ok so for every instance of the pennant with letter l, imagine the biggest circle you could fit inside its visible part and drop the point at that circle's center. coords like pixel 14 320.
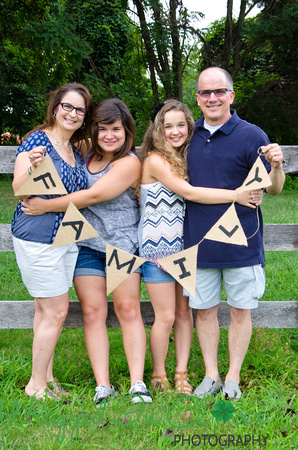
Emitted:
pixel 120 265
pixel 228 229
pixel 73 228
pixel 257 178
pixel 183 267
pixel 43 181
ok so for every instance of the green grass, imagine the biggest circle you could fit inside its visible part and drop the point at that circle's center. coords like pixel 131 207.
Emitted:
pixel 269 381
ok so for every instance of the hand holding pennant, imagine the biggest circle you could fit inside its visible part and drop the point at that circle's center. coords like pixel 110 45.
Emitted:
pixel 120 265
pixel 257 178
pixel 43 181
pixel 183 267
pixel 73 228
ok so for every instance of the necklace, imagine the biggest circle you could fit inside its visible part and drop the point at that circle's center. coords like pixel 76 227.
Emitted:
pixel 58 145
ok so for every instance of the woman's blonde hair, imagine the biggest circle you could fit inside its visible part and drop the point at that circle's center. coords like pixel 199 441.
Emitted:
pixel 155 142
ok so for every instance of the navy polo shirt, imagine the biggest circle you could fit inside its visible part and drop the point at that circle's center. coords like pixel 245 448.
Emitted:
pixel 223 160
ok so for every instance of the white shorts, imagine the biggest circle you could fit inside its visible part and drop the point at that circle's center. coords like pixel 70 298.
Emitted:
pixel 244 286
pixel 46 272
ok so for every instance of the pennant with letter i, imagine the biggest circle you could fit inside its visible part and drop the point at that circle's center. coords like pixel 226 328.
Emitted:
pixel 73 228
pixel 257 178
pixel 183 267
pixel 43 181
pixel 120 265
pixel 228 229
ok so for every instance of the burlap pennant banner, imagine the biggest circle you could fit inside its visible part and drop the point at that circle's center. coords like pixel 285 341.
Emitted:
pixel 119 266
pixel 228 229
pixel 183 267
pixel 73 228
pixel 257 178
pixel 43 181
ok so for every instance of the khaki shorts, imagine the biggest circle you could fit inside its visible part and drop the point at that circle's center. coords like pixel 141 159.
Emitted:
pixel 244 286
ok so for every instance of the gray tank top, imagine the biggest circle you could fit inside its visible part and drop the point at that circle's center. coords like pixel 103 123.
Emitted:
pixel 116 221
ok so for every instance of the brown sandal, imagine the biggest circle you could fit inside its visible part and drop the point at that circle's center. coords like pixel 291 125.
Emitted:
pixel 45 393
pixel 182 383
pixel 56 388
pixel 160 382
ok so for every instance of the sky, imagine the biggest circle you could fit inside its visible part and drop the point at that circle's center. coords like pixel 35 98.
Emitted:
pixel 214 9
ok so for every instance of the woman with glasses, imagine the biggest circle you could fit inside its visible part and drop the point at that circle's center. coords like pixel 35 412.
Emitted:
pixel 48 273
pixel 110 205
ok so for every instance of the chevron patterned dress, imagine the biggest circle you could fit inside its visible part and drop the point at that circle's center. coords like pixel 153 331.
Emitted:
pixel 161 224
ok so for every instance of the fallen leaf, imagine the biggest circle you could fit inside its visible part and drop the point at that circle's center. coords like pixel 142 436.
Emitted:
pixel 186 415
pixel 103 424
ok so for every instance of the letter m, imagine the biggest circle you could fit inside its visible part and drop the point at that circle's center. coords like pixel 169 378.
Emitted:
pixel 129 263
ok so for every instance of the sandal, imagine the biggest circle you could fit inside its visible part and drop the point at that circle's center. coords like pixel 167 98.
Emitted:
pixel 160 382
pixel 182 383
pixel 45 393
pixel 56 388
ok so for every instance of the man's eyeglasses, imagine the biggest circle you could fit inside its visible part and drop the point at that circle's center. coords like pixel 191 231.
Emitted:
pixel 205 93
pixel 68 107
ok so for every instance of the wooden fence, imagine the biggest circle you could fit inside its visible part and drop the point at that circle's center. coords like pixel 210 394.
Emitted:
pixel 277 237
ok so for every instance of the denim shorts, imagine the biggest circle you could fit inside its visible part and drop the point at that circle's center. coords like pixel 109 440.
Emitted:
pixel 92 262
pixel 153 274
pixel 244 286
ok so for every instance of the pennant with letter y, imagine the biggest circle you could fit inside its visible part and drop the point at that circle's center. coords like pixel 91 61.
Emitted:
pixel 183 267
pixel 228 229
pixel 43 181
pixel 120 265
pixel 73 228
pixel 257 177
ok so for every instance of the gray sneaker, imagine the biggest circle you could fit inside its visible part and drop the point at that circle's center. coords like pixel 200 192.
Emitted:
pixel 231 390
pixel 208 387
pixel 139 393
pixel 103 395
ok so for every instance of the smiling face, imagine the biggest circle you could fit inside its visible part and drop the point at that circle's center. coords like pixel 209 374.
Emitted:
pixel 69 121
pixel 175 128
pixel 111 137
pixel 216 110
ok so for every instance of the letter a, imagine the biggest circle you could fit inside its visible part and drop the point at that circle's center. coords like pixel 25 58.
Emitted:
pixel 74 228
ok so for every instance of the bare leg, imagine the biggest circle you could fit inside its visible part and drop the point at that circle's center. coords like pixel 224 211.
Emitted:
pixel 208 334
pixel 54 311
pixel 91 291
pixel 239 335
pixel 36 322
pixel 126 300
pixel 162 297
pixel 183 329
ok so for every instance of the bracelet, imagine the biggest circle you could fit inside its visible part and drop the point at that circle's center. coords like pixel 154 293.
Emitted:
pixel 29 171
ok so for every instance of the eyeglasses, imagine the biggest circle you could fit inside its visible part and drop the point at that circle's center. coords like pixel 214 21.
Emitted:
pixel 68 107
pixel 205 93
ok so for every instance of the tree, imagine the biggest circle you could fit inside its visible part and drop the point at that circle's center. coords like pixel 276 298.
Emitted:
pixel 165 30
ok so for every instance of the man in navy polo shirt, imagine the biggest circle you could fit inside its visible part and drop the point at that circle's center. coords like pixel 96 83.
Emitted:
pixel 222 152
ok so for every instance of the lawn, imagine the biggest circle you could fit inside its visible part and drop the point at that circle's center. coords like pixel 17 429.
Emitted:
pixel 265 416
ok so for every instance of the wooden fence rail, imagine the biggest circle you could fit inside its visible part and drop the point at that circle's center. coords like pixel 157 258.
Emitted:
pixel 18 314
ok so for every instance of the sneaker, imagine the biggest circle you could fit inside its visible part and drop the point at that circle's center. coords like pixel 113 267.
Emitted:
pixel 232 390
pixel 208 387
pixel 139 393
pixel 103 395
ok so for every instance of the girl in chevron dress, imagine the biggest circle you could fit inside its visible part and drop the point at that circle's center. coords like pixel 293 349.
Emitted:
pixel 163 189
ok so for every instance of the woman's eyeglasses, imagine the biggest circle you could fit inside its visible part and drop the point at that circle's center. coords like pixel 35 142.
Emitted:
pixel 68 107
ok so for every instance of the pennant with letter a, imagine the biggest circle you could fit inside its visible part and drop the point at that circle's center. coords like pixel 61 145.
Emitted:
pixel 120 265
pixel 257 178
pixel 73 228
pixel 228 229
pixel 43 181
pixel 183 267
